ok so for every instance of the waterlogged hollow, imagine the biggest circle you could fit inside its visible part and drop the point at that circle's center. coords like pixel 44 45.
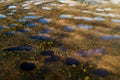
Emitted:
pixel 67 16
pixel 45 20
pixel 84 26
pixel 2 16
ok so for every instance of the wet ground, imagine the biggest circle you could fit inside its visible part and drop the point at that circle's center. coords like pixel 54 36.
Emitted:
pixel 59 40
